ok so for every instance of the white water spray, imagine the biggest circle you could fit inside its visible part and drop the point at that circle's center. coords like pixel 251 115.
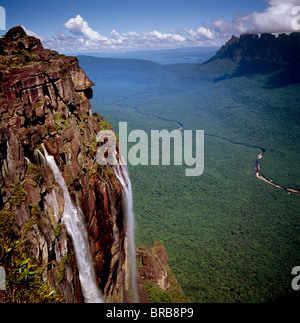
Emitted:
pixel 73 219
pixel 122 174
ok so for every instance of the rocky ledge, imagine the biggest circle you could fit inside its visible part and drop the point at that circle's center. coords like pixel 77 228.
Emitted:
pixel 156 276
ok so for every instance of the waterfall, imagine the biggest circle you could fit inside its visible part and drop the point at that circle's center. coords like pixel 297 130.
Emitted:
pixel 74 221
pixel 122 174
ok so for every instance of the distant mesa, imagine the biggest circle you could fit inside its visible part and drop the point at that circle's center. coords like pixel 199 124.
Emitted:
pixel 281 50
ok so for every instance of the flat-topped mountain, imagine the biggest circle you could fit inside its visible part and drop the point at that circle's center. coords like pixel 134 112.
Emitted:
pixel 281 50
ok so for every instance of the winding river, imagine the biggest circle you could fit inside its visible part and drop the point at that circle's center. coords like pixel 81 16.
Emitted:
pixel 257 172
pixel 151 115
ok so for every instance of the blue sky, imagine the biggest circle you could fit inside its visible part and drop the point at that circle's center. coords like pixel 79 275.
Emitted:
pixel 141 24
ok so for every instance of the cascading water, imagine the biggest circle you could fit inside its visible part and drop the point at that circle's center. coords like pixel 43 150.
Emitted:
pixel 73 219
pixel 122 174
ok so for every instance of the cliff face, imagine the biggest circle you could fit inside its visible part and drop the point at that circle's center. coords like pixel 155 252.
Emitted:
pixel 281 50
pixel 156 276
pixel 44 99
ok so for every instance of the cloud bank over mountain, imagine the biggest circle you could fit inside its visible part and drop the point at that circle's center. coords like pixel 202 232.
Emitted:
pixel 277 18
pixel 79 36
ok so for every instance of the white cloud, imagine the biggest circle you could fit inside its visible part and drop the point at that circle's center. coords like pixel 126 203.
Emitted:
pixel 79 27
pixel 205 32
pixel 84 38
pixel 178 38
pixel 277 18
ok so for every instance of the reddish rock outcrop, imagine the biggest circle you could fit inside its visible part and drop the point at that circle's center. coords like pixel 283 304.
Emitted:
pixel 154 265
pixel 156 281
pixel 44 99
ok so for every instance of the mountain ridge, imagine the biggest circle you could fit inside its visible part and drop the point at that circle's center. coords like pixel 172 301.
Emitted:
pixel 281 50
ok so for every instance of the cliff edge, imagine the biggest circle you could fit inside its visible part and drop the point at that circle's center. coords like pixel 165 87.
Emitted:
pixel 44 101
pixel 282 50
